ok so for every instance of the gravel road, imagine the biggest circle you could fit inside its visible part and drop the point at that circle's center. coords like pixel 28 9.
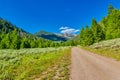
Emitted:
pixel 88 66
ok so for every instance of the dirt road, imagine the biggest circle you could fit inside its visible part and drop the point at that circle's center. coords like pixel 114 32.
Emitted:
pixel 88 66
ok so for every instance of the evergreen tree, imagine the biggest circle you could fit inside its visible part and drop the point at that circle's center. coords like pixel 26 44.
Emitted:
pixel 113 25
pixel 81 36
pixel 99 34
pixel 110 9
pixel 7 40
pixel 91 35
pixel 97 31
pixel 25 43
pixel 15 40
pixel 89 38
pixel 2 44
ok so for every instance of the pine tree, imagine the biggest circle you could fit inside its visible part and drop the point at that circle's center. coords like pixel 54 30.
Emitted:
pixel 110 9
pixel 81 36
pixel 2 44
pixel 98 33
pixel 7 41
pixel 15 40
pixel 113 25
pixel 89 38
pixel 25 43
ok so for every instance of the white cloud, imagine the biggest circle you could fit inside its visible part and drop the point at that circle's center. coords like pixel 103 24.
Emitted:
pixel 68 30
pixel 76 30
pixel 63 28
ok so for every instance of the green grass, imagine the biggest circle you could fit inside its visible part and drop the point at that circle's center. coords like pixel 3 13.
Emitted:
pixel 60 71
pixel 115 54
pixel 27 64
pixel 110 44
pixel 108 48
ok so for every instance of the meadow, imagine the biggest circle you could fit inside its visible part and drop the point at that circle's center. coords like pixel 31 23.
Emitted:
pixel 36 63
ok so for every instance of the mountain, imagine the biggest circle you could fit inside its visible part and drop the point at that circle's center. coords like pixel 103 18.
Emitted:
pixel 50 36
pixel 12 37
pixel 68 36
pixel 7 27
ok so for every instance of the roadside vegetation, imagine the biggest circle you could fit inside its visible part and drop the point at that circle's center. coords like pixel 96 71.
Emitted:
pixel 103 37
pixel 29 64
pixel 108 48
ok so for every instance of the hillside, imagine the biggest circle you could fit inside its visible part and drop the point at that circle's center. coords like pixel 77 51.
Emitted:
pixel 8 27
pixel 109 48
pixel 50 36
pixel 110 44
pixel 68 36
pixel 12 37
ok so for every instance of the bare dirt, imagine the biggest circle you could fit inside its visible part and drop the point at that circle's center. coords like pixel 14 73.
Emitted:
pixel 89 66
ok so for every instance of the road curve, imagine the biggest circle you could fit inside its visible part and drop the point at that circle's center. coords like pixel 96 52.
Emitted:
pixel 88 66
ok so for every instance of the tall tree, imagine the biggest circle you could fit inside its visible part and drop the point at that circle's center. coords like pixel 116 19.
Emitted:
pixel 7 40
pixel 110 9
pixel 25 43
pixel 113 25
pixel 81 36
pixel 15 40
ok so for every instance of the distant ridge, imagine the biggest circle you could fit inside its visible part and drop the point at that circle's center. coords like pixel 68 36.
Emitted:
pixel 50 36
pixel 8 27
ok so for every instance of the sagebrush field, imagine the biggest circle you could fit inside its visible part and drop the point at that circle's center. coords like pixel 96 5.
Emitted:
pixel 32 63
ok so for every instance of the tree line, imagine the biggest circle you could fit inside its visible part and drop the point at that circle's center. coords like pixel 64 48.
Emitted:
pixel 12 40
pixel 12 37
pixel 107 28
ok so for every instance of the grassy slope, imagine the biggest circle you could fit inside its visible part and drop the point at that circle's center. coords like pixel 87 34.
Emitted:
pixel 108 48
pixel 29 64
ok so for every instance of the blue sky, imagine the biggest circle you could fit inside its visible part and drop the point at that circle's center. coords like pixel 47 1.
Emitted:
pixel 51 15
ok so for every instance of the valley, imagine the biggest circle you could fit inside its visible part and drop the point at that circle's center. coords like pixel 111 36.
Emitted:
pixel 51 42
